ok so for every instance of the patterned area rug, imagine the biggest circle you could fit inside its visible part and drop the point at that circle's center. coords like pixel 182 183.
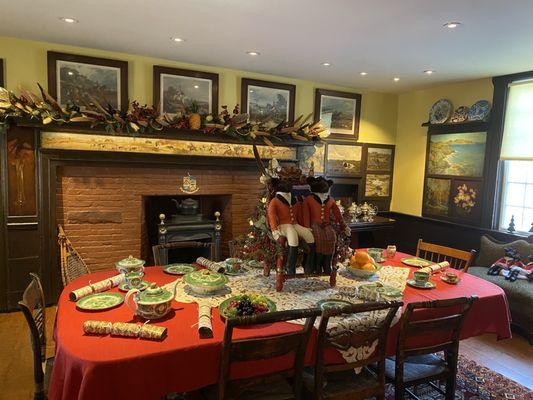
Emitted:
pixel 474 382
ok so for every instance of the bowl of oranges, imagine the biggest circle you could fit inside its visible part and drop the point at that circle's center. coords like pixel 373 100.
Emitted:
pixel 362 265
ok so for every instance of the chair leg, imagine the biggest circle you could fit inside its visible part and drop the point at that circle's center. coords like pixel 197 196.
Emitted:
pixel 450 388
pixel 399 390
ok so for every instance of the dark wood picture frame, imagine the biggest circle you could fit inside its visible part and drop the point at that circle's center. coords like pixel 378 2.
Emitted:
pixel 160 69
pixel 379 146
pixel 1 72
pixel 365 178
pixel 346 95
pixel 54 57
pixel 332 173
pixel 246 82
pixel 457 128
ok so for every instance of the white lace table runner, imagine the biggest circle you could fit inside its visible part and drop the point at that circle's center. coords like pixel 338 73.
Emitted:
pixel 306 293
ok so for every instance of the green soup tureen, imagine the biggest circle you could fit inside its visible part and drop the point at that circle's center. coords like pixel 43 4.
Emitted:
pixel 130 264
pixel 204 281
pixel 153 303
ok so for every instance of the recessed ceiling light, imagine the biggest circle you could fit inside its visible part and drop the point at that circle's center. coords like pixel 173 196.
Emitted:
pixel 396 79
pixel 326 64
pixel 177 39
pixel 68 20
pixel 253 53
pixel 70 73
pixel 429 72
pixel 452 25
pixel 363 73
pixel 196 86
pixel 251 91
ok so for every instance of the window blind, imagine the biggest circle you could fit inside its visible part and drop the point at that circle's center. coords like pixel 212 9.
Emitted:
pixel 518 127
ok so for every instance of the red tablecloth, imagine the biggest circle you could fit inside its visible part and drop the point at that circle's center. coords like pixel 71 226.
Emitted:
pixel 92 367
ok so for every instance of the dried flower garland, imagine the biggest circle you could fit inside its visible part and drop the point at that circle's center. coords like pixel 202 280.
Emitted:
pixel 145 119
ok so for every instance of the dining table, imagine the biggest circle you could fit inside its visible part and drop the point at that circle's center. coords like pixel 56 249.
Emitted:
pixel 88 367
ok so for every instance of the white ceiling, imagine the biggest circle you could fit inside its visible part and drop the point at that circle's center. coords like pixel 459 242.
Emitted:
pixel 385 38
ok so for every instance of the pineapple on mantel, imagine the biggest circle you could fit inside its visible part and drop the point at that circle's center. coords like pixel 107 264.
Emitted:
pixel 195 120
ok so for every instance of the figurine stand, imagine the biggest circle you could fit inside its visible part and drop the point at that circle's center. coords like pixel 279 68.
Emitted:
pixel 281 276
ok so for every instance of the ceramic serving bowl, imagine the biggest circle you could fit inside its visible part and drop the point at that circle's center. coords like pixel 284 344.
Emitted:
pixel 130 264
pixel 154 303
pixel 204 281
pixel 363 273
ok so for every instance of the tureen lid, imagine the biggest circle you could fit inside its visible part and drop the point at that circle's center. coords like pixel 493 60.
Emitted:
pixel 154 295
pixel 205 277
pixel 130 262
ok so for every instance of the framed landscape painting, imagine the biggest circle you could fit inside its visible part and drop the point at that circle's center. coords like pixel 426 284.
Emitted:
pixel 77 80
pixel 457 154
pixel 339 112
pixel 436 197
pixel 267 103
pixel 176 90
pixel 379 158
pixel 377 185
pixel 343 159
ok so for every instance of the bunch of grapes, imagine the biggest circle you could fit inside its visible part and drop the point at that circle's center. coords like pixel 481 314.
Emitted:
pixel 245 307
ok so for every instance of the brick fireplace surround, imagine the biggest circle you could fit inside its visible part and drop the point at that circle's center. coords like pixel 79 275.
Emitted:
pixel 102 206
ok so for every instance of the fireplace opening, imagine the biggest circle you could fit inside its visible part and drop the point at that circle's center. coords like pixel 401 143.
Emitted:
pixel 186 218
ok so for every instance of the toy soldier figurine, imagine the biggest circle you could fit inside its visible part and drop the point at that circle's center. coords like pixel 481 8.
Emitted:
pixel 317 210
pixel 284 217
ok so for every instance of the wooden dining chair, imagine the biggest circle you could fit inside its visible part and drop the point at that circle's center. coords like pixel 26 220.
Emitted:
pixel 458 259
pixel 415 365
pixel 72 265
pixel 34 309
pixel 262 348
pixel 339 381
pixel 160 251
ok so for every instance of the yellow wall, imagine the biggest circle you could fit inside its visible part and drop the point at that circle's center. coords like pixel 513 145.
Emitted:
pixel 410 156
pixel 25 64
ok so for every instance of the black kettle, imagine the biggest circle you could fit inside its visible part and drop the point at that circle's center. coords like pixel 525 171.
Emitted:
pixel 186 207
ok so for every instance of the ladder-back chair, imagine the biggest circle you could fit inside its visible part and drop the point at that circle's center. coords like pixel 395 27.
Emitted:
pixel 458 259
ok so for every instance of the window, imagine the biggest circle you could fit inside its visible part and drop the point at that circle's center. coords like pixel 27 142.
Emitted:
pixel 517 156
pixel 517 195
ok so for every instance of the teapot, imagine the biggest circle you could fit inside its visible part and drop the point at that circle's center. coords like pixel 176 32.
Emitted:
pixel 153 303
pixel 186 207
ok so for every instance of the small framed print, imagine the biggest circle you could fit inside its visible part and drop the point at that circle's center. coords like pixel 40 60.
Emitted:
pixel 436 200
pixel 340 112
pixel 76 80
pixel 377 185
pixel 379 157
pixel 343 159
pixel 175 90
pixel 466 199
pixel 267 103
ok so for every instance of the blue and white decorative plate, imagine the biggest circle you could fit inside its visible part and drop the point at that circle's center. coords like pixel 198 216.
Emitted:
pixel 479 111
pixel 440 111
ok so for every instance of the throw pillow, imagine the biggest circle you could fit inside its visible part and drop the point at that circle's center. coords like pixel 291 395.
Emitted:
pixel 490 250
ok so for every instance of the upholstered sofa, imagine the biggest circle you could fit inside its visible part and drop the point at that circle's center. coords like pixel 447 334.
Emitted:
pixel 519 293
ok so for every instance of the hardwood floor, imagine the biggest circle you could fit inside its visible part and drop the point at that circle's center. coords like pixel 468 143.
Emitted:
pixel 512 358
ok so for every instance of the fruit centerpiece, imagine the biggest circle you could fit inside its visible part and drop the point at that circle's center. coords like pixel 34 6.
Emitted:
pixel 246 305
pixel 362 265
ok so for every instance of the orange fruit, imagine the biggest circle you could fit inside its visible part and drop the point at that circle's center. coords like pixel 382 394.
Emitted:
pixel 362 258
pixel 368 267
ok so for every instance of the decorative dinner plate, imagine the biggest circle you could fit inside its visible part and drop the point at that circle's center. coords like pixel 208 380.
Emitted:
pixel 479 111
pixel 375 290
pixel 240 271
pixel 416 262
pixel 425 285
pixel 460 114
pixel 99 301
pixel 440 111
pixel 179 269
pixel 223 307
pixel 124 287
pixel 445 279
pixel 333 303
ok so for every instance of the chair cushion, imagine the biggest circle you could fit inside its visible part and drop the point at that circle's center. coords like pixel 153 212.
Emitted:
pixel 416 367
pixel 491 250
pixel 342 382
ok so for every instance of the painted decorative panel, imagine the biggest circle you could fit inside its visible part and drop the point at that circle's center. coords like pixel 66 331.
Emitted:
pixel 22 200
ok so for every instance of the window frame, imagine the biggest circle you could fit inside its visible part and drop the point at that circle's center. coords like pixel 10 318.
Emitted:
pixel 503 187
